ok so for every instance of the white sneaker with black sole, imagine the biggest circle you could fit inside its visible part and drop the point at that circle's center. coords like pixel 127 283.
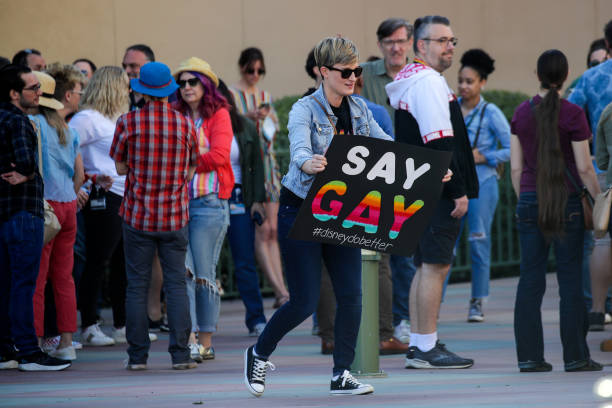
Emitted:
pixel 40 361
pixel 255 372
pixel 346 384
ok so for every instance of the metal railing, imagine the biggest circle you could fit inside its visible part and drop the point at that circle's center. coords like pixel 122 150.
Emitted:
pixel 505 251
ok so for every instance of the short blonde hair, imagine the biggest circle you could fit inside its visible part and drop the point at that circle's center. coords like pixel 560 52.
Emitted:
pixel 335 50
pixel 66 77
pixel 108 92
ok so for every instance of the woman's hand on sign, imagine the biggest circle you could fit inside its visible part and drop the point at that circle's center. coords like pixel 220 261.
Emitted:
pixel 315 165
pixel 447 177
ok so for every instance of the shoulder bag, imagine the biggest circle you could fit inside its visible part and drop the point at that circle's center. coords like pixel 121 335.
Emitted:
pixel 601 213
pixel 52 225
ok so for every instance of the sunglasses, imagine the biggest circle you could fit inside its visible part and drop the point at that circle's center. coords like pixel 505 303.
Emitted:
pixel 251 71
pixel 193 82
pixel 346 72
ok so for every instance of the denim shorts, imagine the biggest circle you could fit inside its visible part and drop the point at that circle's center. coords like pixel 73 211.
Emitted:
pixel 438 240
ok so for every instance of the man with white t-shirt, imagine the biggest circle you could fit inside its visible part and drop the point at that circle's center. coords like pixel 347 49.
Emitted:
pixel 429 115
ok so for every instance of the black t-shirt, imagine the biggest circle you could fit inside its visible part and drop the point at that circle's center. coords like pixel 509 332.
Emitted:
pixel 343 113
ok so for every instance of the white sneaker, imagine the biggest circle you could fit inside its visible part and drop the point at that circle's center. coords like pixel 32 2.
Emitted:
pixel 94 336
pixel 77 345
pixel 607 318
pixel 119 336
pixel 402 331
pixel 64 353
pixel 50 344
pixel 195 352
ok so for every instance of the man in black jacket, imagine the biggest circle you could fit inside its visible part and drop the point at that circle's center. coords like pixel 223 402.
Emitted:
pixel 429 115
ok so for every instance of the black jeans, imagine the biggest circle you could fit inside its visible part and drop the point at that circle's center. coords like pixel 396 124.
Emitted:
pixel 102 238
pixel 302 261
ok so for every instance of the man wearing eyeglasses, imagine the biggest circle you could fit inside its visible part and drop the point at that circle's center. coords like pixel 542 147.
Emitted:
pixel 394 42
pixel 429 115
pixel 135 57
pixel 21 223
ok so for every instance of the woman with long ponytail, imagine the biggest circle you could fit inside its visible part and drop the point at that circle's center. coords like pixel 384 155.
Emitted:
pixel 550 161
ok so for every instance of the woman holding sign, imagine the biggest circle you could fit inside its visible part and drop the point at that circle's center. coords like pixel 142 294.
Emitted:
pixel 313 122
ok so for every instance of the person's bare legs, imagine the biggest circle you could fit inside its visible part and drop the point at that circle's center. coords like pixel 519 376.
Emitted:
pixel 267 251
pixel 65 340
pixel 154 302
pixel 426 290
pixel 600 265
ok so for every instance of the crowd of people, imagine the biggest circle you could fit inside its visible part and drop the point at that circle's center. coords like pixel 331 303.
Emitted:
pixel 147 170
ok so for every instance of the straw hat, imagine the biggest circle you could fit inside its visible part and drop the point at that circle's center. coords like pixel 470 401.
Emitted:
pixel 196 64
pixel 47 86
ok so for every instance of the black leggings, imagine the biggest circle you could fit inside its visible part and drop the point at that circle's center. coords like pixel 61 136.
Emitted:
pixel 103 238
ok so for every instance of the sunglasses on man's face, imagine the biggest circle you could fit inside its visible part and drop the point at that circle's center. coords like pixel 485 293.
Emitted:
pixel 346 72
pixel 260 71
pixel 193 82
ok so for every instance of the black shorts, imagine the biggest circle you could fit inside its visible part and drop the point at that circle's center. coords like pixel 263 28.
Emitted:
pixel 438 241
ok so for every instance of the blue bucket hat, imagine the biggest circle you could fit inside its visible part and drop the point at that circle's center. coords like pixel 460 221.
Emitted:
pixel 155 80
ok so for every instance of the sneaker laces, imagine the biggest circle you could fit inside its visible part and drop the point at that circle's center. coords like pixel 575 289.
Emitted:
pixel 348 378
pixel 259 369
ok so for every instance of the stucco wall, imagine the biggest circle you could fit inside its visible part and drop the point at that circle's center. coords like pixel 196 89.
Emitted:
pixel 515 32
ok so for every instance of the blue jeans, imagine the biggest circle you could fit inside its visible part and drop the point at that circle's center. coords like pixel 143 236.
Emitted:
pixel 208 221
pixel 139 248
pixel 532 284
pixel 480 215
pixel 302 260
pixel 402 273
pixel 241 237
pixel 21 242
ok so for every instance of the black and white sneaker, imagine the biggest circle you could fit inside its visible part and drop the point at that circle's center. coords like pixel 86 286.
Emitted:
pixel 437 357
pixel 40 361
pixel 346 384
pixel 255 372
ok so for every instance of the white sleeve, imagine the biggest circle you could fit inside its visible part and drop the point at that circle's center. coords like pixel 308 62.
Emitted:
pixel 428 100
pixel 83 124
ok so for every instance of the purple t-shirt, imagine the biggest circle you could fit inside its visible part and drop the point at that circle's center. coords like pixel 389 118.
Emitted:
pixel 573 127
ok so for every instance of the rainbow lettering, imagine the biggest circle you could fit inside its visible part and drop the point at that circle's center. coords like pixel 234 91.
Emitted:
pixel 335 206
pixel 401 214
pixel 371 202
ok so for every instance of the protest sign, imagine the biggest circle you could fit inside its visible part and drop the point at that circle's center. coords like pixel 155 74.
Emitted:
pixel 374 194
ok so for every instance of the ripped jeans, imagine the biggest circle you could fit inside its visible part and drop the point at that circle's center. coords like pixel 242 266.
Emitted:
pixel 480 215
pixel 208 221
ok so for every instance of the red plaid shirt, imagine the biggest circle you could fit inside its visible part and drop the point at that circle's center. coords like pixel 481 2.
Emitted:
pixel 158 144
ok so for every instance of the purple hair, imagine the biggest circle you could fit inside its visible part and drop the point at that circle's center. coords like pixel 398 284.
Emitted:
pixel 211 101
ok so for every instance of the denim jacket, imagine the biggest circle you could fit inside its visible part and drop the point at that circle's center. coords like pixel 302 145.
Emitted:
pixel 494 130
pixel 310 132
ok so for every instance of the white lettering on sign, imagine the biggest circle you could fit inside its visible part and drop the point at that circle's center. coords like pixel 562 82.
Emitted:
pixel 353 157
pixel 385 168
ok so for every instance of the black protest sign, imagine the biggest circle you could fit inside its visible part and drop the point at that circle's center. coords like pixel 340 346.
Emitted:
pixel 374 194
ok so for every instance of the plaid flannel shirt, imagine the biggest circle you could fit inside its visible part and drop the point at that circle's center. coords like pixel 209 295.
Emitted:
pixel 158 144
pixel 19 146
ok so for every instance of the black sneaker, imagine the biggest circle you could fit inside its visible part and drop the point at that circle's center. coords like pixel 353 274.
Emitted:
pixel 158 326
pixel 8 360
pixel 596 321
pixel 534 366
pixel 40 361
pixel 588 365
pixel 346 384
pixel 437 357
pixel 255 372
